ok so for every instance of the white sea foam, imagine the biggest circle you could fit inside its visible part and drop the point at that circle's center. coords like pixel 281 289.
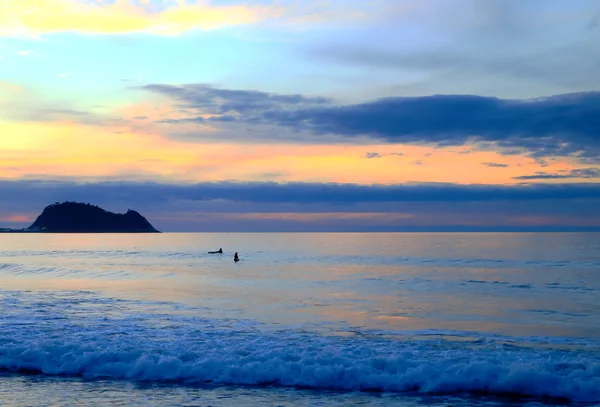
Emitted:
pixel 85 335
pixel 314 363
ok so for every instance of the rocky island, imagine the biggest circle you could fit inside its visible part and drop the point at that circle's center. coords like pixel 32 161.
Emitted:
pixel 74 217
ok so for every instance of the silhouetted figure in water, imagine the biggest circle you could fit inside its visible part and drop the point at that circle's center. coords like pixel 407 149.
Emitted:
pixel 220 251
pixel 235 257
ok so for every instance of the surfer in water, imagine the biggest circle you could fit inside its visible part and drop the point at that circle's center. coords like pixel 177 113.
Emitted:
pixel 220 251
pixel 235 257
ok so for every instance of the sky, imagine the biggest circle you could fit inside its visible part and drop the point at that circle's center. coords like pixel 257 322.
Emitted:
pixel 316 115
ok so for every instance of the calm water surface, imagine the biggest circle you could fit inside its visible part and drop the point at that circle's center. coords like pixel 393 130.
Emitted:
pixel 303 319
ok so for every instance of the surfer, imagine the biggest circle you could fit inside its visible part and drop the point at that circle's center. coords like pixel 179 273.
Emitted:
pixel 220 251
pixel 235 257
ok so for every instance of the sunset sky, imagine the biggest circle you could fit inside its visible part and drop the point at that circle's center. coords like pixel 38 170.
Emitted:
pixel 316 115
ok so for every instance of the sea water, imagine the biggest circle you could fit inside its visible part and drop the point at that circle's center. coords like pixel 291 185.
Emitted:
pixel 303 319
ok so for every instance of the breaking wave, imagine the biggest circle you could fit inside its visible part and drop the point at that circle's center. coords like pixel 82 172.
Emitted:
pixel 85 335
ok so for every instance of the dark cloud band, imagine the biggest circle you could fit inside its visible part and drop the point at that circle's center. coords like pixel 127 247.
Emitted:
pixel 562 125
pixel 302 193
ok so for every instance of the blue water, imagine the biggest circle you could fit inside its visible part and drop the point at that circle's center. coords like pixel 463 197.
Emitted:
pixel 303 319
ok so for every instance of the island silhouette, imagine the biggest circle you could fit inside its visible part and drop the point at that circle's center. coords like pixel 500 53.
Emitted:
pixel 74 217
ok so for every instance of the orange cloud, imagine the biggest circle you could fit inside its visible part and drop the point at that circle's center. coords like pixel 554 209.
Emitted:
pixel 320 217
pixel 17 218
pixel 36 17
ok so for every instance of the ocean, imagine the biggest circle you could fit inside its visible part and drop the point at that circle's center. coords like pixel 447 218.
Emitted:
pixel 304 319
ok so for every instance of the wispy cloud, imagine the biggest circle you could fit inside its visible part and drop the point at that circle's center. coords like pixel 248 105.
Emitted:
pixel 584 173
pixel 495 165
pixel 22 104
pixel 33 18
pixel 232 104
pixel 372 155
pixel 38 17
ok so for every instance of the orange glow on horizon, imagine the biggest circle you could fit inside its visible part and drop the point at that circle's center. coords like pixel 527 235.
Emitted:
pixel 17 219
pixel 67 149
pixel 410 218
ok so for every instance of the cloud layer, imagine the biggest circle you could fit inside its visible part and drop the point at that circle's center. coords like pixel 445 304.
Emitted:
pixel 508 48
pixel 256 206
pixel 297 192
